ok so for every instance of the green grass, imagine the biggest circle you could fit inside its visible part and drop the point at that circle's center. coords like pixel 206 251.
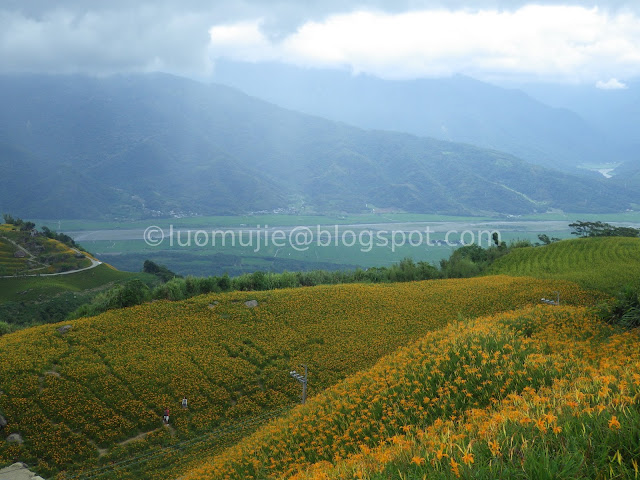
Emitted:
pixel 605 264
pixel 29 301
pixel 22 289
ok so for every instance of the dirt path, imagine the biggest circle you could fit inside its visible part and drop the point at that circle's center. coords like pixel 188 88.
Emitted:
pixel 142 435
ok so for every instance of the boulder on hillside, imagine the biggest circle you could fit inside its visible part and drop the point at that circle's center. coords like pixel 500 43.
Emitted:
pixel 64 329
pixel 251 303
pixel 18 471
pixel 15 438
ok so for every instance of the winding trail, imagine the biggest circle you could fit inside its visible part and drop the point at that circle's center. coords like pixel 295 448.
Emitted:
pixel 94 264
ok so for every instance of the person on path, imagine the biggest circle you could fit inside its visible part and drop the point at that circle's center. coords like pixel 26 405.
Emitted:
pixel 166 416
pixel 184 402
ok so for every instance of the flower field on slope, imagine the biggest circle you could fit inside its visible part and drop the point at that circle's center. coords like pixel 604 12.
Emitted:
pixel 48 255
pixel 602 263
pixel 75 396
pixel 543 392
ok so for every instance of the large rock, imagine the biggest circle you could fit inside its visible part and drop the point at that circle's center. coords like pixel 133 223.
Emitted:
pixel 15 438
pixel 64 329
pixel 18 471
pixel 3 422
pixel 251 303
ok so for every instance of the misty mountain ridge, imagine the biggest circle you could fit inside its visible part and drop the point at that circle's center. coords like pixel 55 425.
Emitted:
pixel 144 145
pixel 457 108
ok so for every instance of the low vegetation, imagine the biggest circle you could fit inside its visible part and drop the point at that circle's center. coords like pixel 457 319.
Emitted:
pixel 564 260
pixel 30 301
pixel 604 263
pixel 543 392
pixel 76 394
pixel 624 310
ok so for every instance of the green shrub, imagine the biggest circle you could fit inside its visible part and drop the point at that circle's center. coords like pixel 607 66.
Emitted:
pixel 624 310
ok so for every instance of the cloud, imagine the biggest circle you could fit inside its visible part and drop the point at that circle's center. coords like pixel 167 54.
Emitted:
pixel 612 84
pixel 554 39
pixel 107 42
pixel 553 42
pixel 241 41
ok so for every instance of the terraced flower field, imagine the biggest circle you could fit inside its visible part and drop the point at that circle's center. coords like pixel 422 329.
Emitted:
pixel 79 396
pixel 541 392
pixel 41 254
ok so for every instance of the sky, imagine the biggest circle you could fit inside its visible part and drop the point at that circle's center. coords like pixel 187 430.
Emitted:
pixel 596 43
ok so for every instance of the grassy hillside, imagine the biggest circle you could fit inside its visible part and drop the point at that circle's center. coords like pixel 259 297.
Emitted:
pixel 32 292
pixel 543 392
pixel 42 288
pixel 27 301
pixel 79 397
pixel 40 254
pixel 606 263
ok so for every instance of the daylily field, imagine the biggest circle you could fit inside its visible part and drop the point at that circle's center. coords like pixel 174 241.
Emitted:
pixel 468 378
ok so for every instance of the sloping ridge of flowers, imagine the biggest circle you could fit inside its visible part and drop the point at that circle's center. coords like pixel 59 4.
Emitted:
pixel 537 391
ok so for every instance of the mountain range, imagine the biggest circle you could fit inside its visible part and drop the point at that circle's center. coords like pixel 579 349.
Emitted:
pixel 553 125
pixel 155 145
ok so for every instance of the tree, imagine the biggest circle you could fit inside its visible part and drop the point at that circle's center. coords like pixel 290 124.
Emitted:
pixel 46 231
pixel 160 271
pixel 544 238
pixel 600 229
pixel 27 226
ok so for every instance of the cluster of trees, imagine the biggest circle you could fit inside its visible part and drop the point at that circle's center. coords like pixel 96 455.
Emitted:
pixel 18 222
pixel 600 229
pixel 473 260
pixel 160 271
pixel 546 240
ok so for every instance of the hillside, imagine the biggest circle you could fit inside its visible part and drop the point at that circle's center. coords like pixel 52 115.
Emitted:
pixel 94 387
pixel 542 392
pixel 28 301
pixel 458 108
pixel 35 183
pixel 157 145
pixel 31 253
pixel 39 282
pixel 614 112
pixel 586 261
